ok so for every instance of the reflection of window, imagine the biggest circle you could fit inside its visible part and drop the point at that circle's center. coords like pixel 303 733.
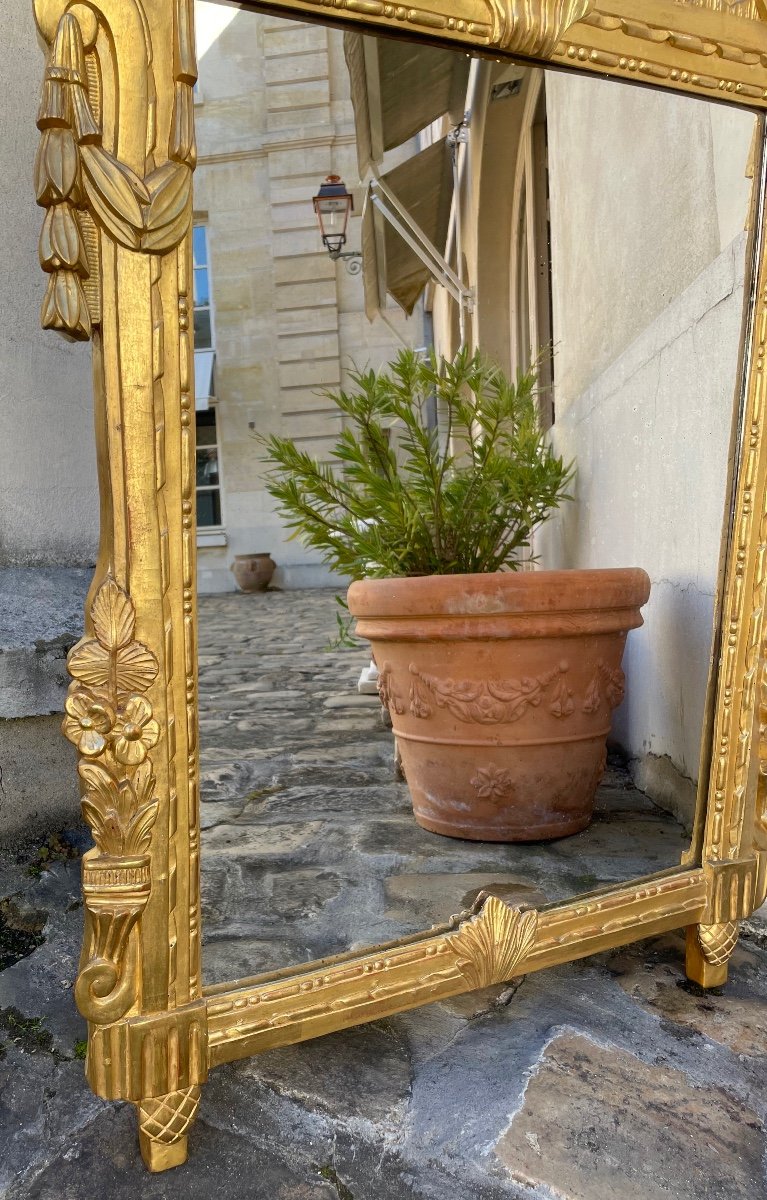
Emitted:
pixel 208 478
pixel 203 323
pixel 531 294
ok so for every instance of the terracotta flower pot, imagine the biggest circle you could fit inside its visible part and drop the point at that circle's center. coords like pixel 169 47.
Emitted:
pixel 501 689
pixel 253 572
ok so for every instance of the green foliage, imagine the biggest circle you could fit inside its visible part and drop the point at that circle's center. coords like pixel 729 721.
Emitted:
pixel 401 498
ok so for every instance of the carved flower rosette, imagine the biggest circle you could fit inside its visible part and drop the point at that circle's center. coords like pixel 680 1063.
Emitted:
pixel 110 721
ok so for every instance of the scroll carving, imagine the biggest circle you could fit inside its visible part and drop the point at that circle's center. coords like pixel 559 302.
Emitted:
pixel 110 721
pixel 78 181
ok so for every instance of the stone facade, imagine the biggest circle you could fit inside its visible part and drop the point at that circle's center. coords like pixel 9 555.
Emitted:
pixel 273 119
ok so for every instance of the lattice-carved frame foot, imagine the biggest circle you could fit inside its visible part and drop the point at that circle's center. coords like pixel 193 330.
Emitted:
pixel 708 952
pixel 164 1122
pixel 114 174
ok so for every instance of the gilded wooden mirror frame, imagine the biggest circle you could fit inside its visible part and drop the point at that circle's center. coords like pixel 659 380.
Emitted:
pixel 114 173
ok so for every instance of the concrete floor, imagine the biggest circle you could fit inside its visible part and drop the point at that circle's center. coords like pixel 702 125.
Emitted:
pixel 608 1077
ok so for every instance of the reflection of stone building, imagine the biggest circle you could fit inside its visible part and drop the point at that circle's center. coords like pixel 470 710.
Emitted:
pixel 276 320
pixel 608 221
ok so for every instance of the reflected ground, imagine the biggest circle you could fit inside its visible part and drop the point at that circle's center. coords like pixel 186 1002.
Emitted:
pixel 309 844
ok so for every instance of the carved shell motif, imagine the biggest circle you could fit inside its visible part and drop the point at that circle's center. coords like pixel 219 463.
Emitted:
pixel 493 944
pixel 533 27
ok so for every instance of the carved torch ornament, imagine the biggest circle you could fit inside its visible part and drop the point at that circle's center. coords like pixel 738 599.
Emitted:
pixel 110 721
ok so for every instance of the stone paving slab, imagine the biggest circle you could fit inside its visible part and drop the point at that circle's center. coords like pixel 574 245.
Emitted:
pixel 602 1078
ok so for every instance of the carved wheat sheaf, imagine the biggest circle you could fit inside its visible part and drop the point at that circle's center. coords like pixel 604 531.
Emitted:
pixel 111 723
pixel 492 945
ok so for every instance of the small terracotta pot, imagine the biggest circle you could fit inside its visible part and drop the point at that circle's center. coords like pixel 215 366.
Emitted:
pixel 501 689
pixel 253 572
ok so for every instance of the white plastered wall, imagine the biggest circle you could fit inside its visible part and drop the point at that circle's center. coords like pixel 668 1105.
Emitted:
pixel 648 204
pixel 48 491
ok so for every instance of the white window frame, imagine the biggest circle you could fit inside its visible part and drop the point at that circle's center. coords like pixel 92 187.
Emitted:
pixel 201 223
pixel 530 300
pixel 212 535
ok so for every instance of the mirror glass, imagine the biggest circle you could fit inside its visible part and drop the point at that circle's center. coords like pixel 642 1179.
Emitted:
pixel 593 228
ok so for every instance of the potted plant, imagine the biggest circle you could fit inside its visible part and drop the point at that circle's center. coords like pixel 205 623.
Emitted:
pixel 500 683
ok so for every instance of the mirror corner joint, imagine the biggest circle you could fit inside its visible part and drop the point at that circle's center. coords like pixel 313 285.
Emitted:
pixel 114 175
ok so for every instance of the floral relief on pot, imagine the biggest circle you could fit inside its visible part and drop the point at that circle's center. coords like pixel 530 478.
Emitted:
pixel 487 701
pixel 493 702
pixel 607 686
pixel 388 694
pixel 493 783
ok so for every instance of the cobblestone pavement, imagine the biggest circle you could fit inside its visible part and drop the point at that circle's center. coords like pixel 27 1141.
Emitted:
pixel 611 1076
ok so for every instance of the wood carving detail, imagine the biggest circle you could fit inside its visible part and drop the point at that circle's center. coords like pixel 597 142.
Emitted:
pixel 111 723
pixel 493 944
pixel 717 942
pixel 166 1119
pixel 534 29
pixel 76 179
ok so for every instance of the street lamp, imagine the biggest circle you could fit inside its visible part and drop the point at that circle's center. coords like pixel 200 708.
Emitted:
pixel 333 204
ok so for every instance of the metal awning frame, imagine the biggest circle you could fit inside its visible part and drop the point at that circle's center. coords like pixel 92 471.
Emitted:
pixel 387 203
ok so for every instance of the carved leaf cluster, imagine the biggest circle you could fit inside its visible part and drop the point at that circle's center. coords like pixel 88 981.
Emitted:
pixel 112 724
pixel 389 695
pixel 121 813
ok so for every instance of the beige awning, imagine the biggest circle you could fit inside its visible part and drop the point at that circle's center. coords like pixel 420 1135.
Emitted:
pixel 398 88
pixel 423 186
